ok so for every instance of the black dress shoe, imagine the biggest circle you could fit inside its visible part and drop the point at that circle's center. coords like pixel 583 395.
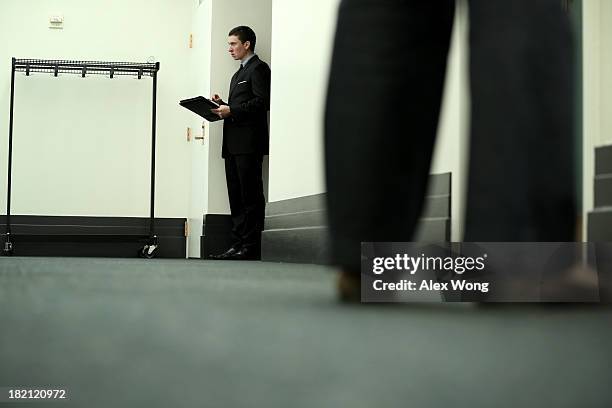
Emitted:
pixel 244 254
pixel 226 254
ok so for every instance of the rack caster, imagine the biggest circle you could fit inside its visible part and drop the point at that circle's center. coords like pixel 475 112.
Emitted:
pixel 8 249
pixel 148 251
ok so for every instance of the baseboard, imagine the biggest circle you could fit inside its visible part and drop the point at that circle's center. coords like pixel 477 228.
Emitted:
pixel 602 191
pixel 80 236
pixel 603 160
pixel 599 227
pixel 296 245
pixel 296 229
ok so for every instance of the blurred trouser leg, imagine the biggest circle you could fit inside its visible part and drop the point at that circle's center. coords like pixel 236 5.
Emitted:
pixel 521 177
pixel 521 169
pixel 384 96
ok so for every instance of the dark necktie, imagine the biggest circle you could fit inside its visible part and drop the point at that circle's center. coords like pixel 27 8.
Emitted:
pixel 235 77
pixel 239 69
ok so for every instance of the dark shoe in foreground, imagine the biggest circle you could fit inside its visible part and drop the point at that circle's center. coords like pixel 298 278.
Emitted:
pixel 349 287
pixel 226 254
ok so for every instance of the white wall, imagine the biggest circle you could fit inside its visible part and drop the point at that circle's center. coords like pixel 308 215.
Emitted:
pixel 591 49
pixel 299 83
pixel 200 80
pixel 597 88
pixel 605 47
pixel 82 146
pixel 452 144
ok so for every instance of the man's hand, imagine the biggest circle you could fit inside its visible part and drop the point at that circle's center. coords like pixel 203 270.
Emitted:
pixel 217 98
pixel 223 111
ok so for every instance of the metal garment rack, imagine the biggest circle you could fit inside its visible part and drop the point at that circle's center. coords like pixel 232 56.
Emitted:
pixel 84 68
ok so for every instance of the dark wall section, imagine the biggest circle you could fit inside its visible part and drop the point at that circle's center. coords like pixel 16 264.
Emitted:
pixel 120 237
pixel 296 231
pixel 600 219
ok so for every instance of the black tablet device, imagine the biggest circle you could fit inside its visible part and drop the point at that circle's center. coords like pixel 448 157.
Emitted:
pixel 202 107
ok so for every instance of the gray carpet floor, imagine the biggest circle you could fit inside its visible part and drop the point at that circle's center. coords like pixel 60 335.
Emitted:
pixel 190 333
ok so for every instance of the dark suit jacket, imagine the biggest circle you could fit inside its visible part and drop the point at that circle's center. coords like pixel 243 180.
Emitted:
pixel 246 131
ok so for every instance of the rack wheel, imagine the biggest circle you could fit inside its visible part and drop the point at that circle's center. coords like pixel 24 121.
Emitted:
pixel 8 249
pixel 148 252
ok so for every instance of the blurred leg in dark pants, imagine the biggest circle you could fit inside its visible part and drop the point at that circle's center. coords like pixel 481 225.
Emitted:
pixel 393 54
pixel 385 88
pixel 521 173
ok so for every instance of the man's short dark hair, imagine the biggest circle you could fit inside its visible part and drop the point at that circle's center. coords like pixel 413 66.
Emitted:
pixel 244 34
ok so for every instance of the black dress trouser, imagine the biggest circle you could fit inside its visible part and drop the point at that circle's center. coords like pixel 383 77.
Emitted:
pixel 243 175
pixel 521 182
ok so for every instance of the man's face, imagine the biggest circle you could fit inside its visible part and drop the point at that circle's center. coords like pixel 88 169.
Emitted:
pixel 238 49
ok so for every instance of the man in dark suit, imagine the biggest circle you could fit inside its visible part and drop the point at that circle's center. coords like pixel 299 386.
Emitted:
pixel 394 54
pixel 245 142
